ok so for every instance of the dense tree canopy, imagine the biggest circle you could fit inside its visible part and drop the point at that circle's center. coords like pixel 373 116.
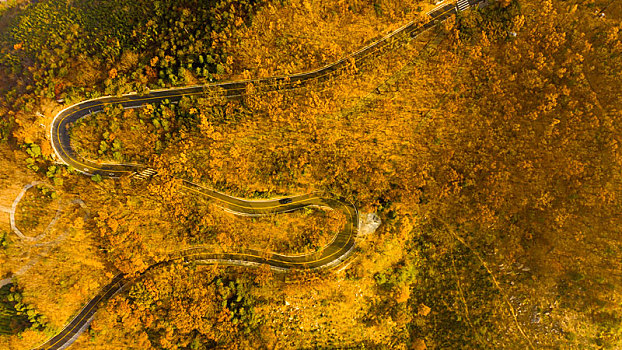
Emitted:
pixel 488 145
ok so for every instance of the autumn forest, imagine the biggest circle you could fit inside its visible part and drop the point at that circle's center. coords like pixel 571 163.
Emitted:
pixel 488 145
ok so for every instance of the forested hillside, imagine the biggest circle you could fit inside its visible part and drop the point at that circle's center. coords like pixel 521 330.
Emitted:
pixel 488 146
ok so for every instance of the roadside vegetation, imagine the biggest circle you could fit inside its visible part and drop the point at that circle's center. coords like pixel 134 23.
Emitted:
pixel 15 316
pixel 489 146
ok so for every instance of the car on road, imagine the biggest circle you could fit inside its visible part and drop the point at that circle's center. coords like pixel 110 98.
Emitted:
pixel 285 200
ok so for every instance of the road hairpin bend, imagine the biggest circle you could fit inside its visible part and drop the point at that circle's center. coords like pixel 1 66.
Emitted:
pixel 338 250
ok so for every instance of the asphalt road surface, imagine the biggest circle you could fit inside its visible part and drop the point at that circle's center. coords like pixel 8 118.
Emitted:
pixel 329 256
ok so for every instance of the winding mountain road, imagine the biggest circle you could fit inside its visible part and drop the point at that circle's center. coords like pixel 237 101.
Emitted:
pixel 338 250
